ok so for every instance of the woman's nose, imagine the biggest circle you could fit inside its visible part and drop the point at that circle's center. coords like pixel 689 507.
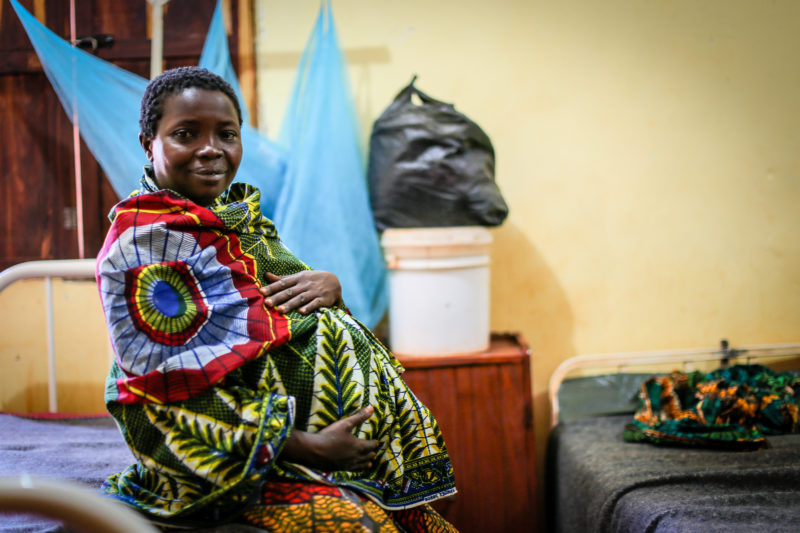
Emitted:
pixel 209 148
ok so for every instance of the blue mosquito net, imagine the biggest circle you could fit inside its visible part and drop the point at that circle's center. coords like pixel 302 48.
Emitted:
pixel 323 213
pixel 327 218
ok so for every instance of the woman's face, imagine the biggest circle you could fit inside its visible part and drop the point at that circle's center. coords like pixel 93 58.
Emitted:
pixel 197 145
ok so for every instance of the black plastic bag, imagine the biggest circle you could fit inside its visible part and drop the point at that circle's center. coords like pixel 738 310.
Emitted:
pixel 430 166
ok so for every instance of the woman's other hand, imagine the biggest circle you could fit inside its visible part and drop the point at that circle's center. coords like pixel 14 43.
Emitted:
pixel 335 447
pixel 306 291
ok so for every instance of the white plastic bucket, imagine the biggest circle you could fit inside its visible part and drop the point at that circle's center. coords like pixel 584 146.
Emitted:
pixel 438 289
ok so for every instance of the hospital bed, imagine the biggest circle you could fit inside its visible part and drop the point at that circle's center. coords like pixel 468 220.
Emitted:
pixel 52 463
pixel 598 483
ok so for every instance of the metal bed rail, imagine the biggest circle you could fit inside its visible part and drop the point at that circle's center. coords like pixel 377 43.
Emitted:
pixel 72 503
pixel 622 361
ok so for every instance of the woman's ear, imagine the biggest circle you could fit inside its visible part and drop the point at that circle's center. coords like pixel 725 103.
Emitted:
pixel 147 144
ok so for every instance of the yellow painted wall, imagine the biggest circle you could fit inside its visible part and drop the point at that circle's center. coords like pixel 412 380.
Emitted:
pixel 649 152
pixel 80 341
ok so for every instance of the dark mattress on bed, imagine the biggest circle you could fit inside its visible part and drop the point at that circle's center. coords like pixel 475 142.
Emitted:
pixel 596 482
pixel 82 450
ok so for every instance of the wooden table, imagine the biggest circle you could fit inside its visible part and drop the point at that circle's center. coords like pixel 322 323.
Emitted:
pixel 482 402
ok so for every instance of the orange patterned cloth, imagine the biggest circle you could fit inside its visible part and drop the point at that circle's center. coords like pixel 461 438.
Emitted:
pixel 289 506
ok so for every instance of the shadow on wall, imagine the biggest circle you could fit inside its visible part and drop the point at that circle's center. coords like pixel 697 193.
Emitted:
pixel 528 297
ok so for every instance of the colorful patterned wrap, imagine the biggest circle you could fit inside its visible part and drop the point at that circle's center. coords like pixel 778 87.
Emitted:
pixel 732 408
pixel 208 383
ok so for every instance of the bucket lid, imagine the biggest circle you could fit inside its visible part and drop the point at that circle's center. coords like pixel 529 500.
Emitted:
pixel 435 242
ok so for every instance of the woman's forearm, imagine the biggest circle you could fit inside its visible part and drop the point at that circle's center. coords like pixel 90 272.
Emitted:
pixel 299 448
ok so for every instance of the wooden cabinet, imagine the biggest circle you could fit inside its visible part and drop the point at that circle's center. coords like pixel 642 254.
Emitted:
pixel 482 402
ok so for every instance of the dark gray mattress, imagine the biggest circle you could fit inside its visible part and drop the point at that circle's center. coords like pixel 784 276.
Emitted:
pixel 84 450
pixel 596 482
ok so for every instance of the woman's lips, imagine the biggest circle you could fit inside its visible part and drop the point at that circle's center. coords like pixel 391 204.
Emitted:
pixel 211 173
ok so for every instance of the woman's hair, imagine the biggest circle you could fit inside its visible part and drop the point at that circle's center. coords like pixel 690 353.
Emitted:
pixel 174 81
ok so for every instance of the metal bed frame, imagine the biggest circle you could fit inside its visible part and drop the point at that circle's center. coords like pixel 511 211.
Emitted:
pixel 71 503
pixel 47 270
pixel 685 359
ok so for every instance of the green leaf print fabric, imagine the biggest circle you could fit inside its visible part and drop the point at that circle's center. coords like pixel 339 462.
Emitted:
pixel 208 384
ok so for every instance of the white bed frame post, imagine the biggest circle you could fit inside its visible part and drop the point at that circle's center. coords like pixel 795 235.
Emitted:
pixel 52 392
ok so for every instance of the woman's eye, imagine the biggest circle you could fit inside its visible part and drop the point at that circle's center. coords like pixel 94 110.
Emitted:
pixel 182 134
pixel 229 135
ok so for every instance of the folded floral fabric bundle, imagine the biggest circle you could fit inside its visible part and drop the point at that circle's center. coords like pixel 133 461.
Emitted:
pixel 731 408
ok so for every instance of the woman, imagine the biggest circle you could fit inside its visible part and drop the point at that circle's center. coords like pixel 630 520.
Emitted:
pixel 241 384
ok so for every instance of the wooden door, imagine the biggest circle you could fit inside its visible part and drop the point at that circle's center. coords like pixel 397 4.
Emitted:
pixel 37 188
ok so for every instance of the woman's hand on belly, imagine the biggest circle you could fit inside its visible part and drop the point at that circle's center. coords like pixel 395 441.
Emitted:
pixel 335 447
pixel 306 291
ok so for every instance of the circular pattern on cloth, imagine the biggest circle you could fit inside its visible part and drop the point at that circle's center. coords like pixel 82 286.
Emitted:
pixel 181 299
pixel 166 302
pixel 178 300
